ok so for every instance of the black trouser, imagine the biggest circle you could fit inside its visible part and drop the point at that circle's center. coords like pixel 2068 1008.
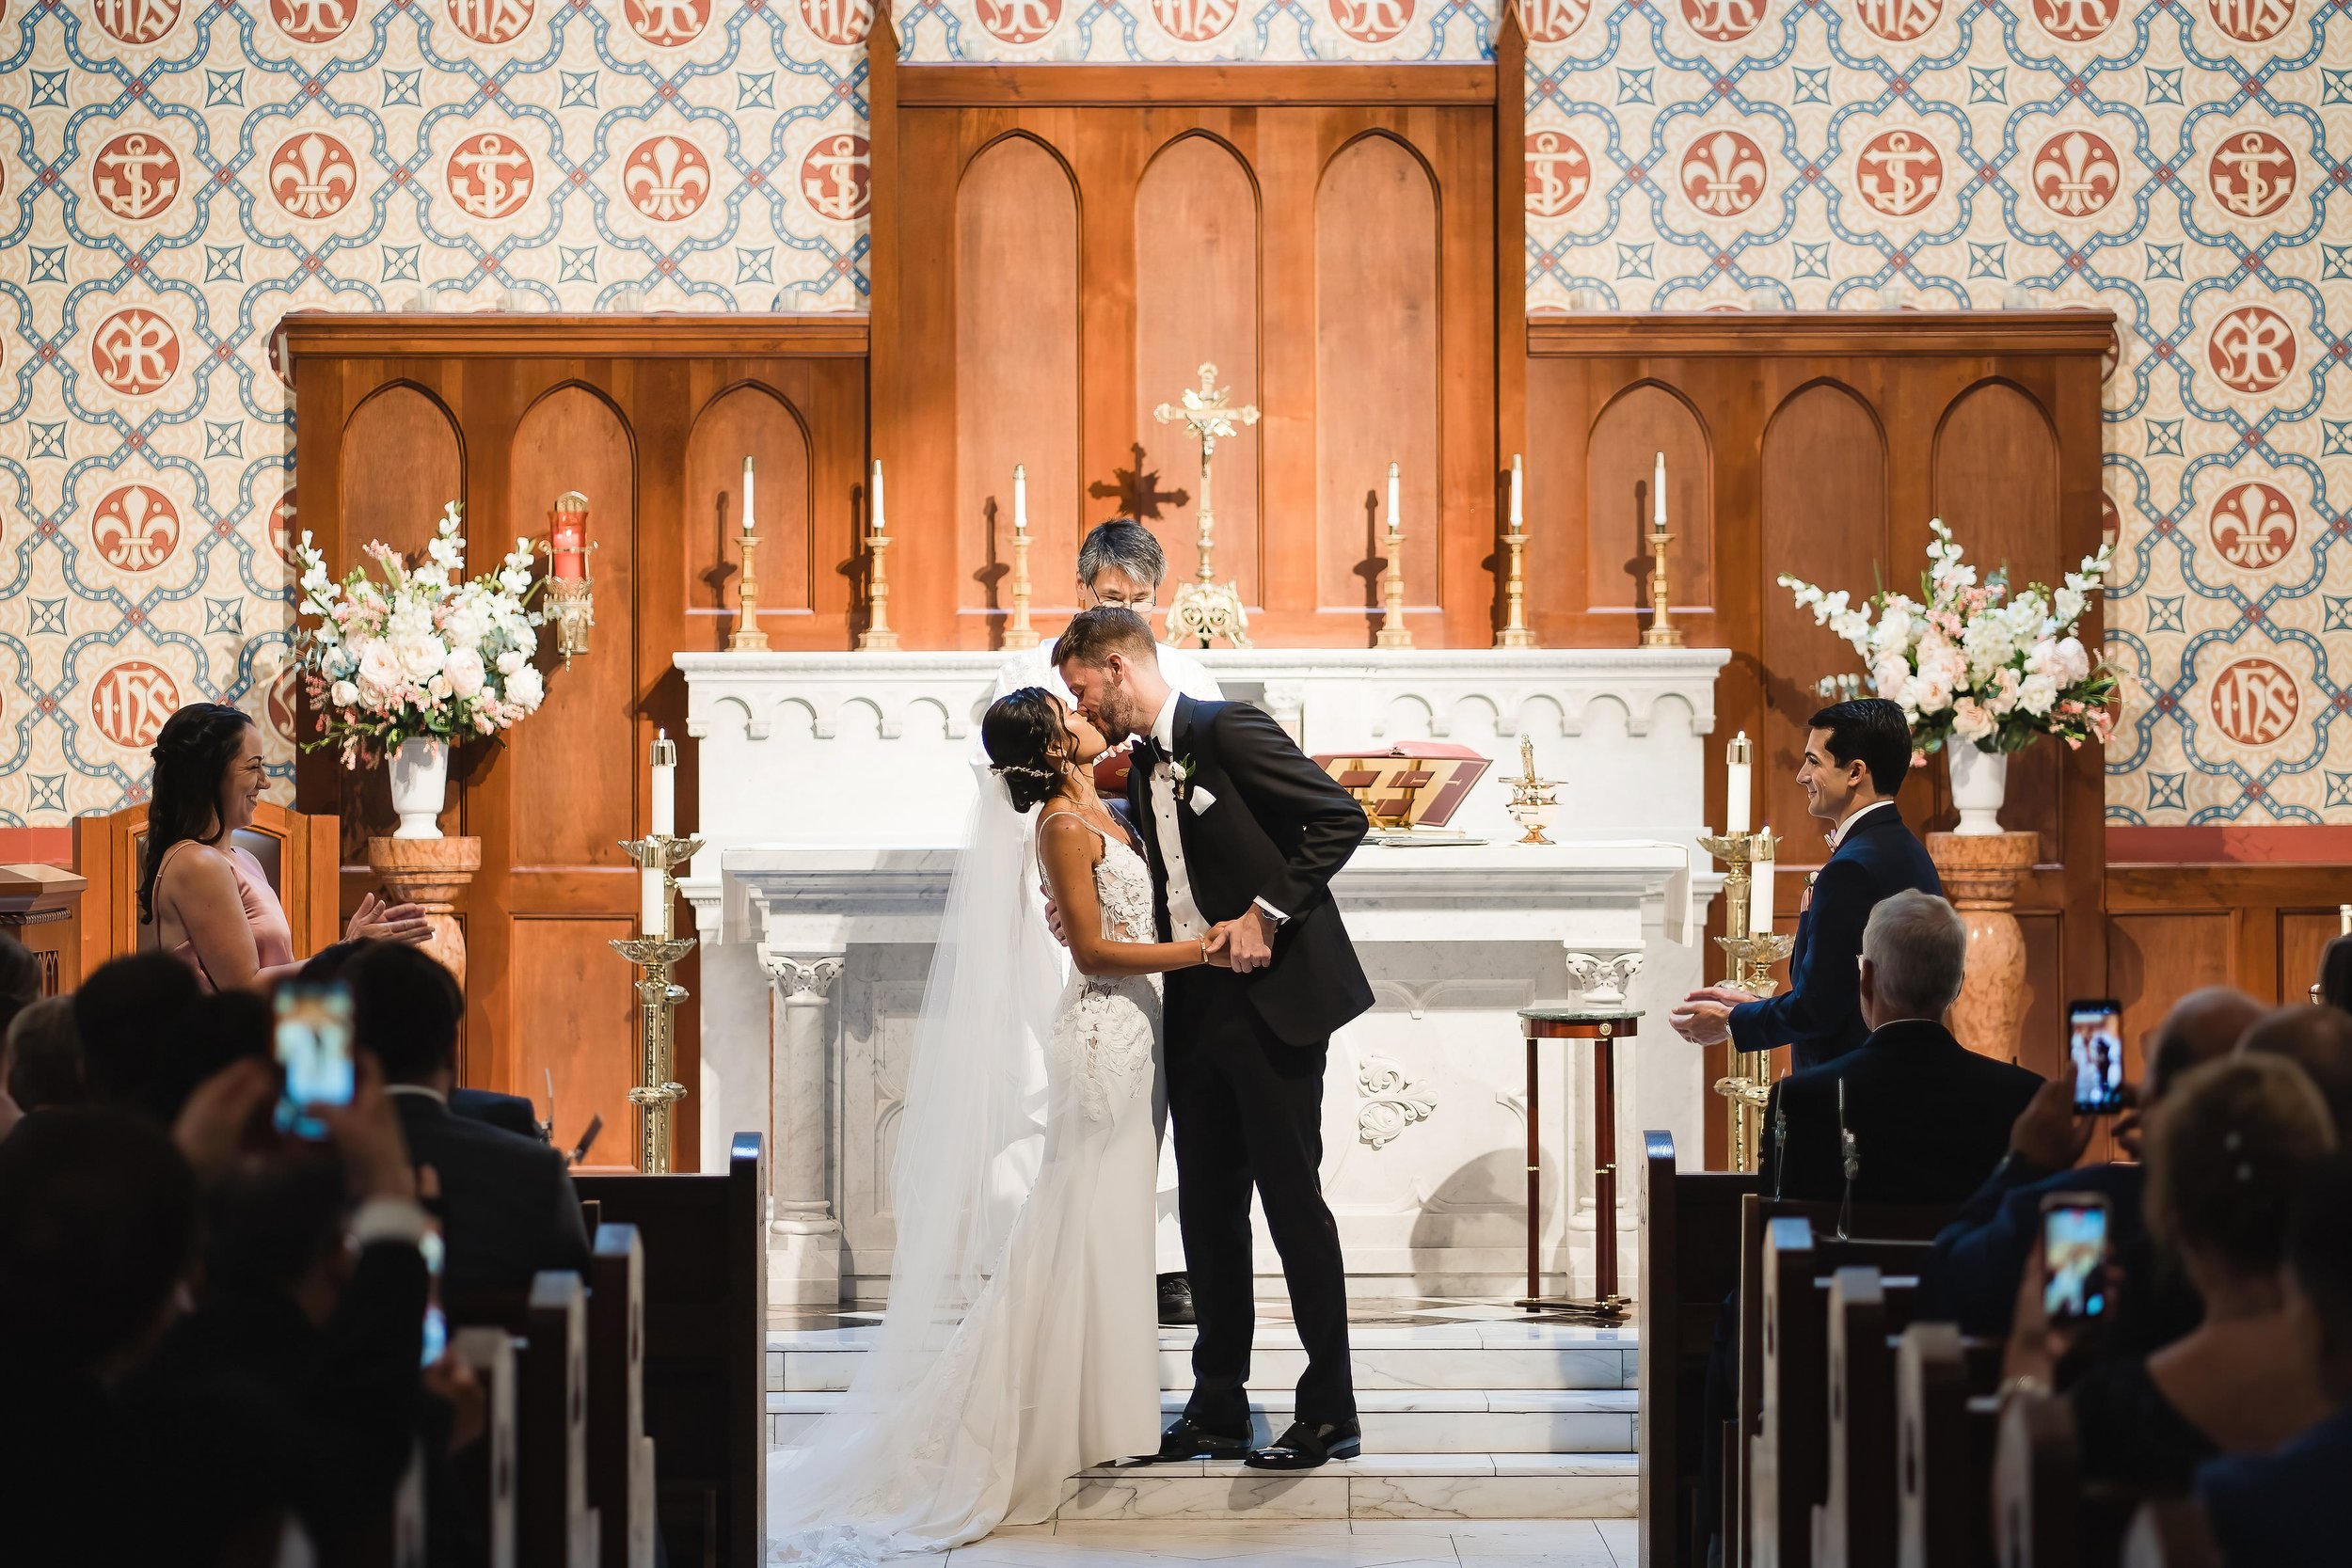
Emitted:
pixel 1248 1112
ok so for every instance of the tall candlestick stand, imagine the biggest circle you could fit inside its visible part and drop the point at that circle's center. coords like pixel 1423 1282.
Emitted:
pixel 1204 608
pixel 877 637
pixel 1394 633
pixel 1663 632
pixel 1018 632
pixel 1515 633
pixel 656 953
pixel 748 638
pixel 1751 957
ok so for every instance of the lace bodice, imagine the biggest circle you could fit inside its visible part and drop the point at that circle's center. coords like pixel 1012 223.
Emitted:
pixel 1108 1025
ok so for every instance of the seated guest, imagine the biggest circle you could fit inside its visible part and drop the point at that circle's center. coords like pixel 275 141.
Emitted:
pixel 2318 1040
pixel 20 987
pixel 510 1111
pixel 2289 1506
pixel 2334 986
pixel 43 1056
pixel 126 1015
pixel 1855 756
pixel 1929 1117
pixel 508 1202
pixel 215 1032
pixel 209 902
pixel 2227 1151
pixel 1972 1276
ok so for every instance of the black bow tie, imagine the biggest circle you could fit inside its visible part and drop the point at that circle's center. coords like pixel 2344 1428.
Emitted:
pixel 1148 753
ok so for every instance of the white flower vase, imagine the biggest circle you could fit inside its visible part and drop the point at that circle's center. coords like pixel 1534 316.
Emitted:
pixel 419 772
pixel 1979 780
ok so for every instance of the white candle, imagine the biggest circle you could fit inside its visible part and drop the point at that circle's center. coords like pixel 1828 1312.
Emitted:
pixel 664 788
pixel 878 496
pixel 1020 498
pixel 1658 495
pixel 1393 506
pixel 1517 516
pixel 1760 885
pixel 653 903
pixel 747 494
pixel 2343 920
pixel 1736 785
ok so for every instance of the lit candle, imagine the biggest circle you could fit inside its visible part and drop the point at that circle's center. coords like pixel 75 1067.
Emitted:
pixel 568 537
pixel 2343 920
pixel 1736 785
pixel 878 496
pixel 653 903
pixel 1658 495
pixel 1393 506
pixel 747 494
pixel 1518 517
pixel 1020 498
pixel 1760 885
pixel 665 785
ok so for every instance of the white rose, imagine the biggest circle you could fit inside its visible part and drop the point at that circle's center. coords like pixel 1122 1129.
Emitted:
pixel 422 657
pixel 2073 660
pixel 511 660
pixel 464 626
pixel 525 689
pixel 379 670
pixel 1970 720
pixel 2036 694
pixel 344 694
pixel 1890 677
pixel 464 669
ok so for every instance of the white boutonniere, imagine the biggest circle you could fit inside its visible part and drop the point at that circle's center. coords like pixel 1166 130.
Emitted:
pixel 1199 797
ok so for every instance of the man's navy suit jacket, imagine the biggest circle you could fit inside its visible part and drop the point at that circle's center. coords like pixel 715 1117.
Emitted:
pixel 1820 1013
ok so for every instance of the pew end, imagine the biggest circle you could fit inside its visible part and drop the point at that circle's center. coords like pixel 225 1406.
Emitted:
pixel 487 1471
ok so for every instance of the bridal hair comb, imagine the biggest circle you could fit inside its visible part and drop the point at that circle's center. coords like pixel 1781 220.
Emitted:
pixel 1001 769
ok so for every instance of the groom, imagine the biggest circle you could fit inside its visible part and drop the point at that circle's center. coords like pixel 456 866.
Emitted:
pixel 1244 836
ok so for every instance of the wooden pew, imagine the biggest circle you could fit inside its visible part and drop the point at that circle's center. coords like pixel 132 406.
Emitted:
pixel 1790 1464
pixel 556 1527
pixel 1944 1415
pixel 620 1455
pixel 2044 1513
pixel 2170 1532
pixel 1857 1527
pixel 706 1324
pixel 1690 1249
pixel 486 1471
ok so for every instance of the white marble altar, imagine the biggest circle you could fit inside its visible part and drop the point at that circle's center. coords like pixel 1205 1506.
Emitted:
pixel 831 787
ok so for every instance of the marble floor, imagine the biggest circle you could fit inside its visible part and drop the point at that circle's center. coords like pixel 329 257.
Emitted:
pixel 1338 1544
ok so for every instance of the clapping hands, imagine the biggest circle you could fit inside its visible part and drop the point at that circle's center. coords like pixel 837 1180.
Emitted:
pixel 376 921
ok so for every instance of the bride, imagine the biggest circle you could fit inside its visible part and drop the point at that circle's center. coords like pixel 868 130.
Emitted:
pixel 1020 1341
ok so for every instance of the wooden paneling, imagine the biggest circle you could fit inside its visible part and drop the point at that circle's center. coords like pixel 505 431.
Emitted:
pixel 1124 86
pixel 1016 367
pixel 1195 238
pixel 1376 389
pixel 576 993
pixel 758 422
pixel 1824 519
pixel 2267 923
pixel 2155 959
pixel 1638 425
pixel 2303 941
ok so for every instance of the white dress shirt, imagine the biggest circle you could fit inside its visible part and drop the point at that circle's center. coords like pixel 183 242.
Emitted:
pixel 1185 921
pixel 1838 835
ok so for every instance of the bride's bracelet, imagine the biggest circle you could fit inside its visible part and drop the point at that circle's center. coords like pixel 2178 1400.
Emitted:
pixel 1204 948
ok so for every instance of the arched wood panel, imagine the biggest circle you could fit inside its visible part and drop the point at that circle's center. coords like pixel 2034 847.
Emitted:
pixel 403 461
pixel 1824 519
pixel 1995 478
pixel 1016 270
pixel 1376 392
pixel 757 422
pixel 1620 461
pixel 1196 215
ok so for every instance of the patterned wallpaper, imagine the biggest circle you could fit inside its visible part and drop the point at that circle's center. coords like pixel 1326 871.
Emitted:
pixel 175 175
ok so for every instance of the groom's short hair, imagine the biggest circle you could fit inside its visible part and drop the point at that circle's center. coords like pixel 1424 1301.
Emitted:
pixel 1093 635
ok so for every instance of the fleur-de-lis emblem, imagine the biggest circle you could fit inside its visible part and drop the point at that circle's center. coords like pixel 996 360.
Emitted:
pixel 2252 525
pixel 2075 174
pixel 312 176
pixel 134 527
pixel 1722 174
pixel 667 178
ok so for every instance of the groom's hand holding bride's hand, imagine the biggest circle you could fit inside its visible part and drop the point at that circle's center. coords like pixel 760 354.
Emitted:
pixel 1248 944
pixel 1215 949
pixel 1052 913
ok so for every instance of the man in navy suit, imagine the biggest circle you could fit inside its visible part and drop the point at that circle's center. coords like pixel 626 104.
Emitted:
pixel 1855 756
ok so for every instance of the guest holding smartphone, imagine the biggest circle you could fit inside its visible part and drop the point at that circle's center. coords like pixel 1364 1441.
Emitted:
pixel 209 902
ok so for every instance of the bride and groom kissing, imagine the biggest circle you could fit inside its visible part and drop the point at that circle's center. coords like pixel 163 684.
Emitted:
pixel 1019 1345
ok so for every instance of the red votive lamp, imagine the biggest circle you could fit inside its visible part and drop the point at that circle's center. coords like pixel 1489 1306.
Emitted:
pixel 567 542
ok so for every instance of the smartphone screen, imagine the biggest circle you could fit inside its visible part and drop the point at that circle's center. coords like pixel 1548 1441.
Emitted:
pixel 2074 1257
pixel 314 1050
pixel 436 1323
pixel 2094 1031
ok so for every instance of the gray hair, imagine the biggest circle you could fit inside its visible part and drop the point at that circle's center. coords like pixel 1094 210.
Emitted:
pixel 1127 544
pixel 1917 948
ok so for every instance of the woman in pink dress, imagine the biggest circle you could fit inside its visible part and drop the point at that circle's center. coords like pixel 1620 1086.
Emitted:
pixel 210 901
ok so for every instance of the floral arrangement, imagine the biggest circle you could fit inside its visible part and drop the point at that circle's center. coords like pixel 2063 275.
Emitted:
pixel 419 653
pixel 1979 662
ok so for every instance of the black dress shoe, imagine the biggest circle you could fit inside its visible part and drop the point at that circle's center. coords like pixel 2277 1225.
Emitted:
pixel 1304 1446
pixel 1175 1300
pixel 1187 1438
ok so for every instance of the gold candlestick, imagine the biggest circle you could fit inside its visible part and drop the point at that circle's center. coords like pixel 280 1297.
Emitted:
pixel 1515 633
pixel 1751 957
pixel 1018 633
pixel 1394 633
pixel 1663 632
pixel 748 638
pixel 656 953
pixel 877 637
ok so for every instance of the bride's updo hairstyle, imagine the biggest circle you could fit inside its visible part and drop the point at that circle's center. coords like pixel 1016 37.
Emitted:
pixel 1022 735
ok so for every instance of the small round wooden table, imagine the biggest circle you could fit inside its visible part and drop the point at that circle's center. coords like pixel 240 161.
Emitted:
pixel 1604 1028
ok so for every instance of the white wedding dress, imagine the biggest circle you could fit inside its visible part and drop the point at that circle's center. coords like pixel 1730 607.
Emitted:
pixel 1054 1364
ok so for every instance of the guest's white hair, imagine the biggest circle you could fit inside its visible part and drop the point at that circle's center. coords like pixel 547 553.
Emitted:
pixel 1917 948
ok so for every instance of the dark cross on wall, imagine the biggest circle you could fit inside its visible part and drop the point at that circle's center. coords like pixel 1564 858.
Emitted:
pixel 1137 490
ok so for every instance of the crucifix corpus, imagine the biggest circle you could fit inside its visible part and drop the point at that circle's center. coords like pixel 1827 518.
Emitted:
pixel 1205 607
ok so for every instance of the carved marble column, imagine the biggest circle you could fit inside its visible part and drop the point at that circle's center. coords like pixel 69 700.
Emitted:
pixel 804 1247
pixel 432 873
pixel 1980 873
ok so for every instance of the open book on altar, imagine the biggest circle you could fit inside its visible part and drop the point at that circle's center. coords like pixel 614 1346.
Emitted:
pixel 1413 784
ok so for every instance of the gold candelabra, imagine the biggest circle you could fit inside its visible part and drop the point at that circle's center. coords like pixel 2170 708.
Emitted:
pixel 1204 608
pixel 1018 632
pixel 1750 956
pixel 1515 633
pixel 748 638
pixel 1663 632
pixel 877 637
pixel 656 953
pixel 1394 633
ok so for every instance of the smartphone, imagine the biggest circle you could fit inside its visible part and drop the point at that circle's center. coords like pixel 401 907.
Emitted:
pixel 2073 1256
pixel 436 1323
pixel 312 1045
pixel 2094 1035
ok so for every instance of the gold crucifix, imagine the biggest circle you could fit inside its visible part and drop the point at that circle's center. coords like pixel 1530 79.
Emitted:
pixel 1204 608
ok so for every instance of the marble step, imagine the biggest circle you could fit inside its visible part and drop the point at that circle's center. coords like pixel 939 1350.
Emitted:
pixel 1524 1421
pixel 1378 1487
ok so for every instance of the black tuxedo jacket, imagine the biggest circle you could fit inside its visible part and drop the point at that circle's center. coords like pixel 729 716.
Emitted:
pixel 1278 829
pixel 1820 1012
pixel 1931 1119
pixel 508 1206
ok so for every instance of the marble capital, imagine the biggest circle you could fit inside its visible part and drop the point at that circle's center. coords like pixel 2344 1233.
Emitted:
pixel 803 979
